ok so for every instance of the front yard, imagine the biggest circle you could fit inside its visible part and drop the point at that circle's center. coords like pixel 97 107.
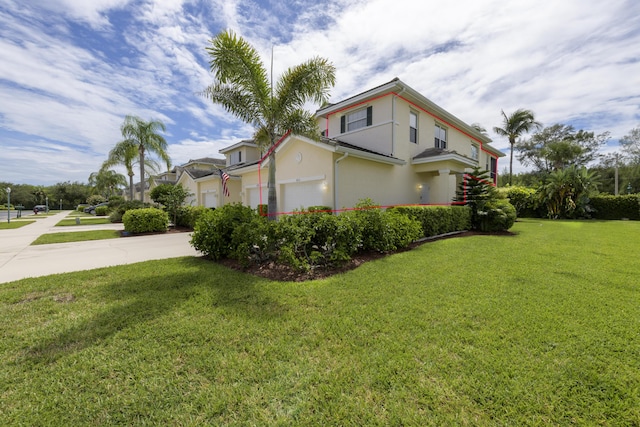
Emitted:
pixel 534 329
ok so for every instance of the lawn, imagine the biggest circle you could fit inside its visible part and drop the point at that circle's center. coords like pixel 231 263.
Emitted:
pixel 75 236
pixel 16 223
pixel 540 328
pixel 92 220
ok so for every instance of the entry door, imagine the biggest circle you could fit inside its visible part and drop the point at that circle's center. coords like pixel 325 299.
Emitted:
pixel 424 194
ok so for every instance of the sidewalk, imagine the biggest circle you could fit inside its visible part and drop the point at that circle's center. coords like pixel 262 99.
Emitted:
pixel 19 260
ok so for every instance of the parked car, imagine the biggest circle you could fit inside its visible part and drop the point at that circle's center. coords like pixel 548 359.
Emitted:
pixel 40 208
pixel 92 208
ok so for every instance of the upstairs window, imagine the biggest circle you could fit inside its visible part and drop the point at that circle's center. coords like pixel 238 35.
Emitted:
pixel 441 137
pixel 474 151
pixel 356 120
pixel 413 127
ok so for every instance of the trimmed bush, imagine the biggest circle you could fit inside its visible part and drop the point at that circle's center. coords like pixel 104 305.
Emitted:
pixel 523 199
pixel 616 207
pixel 320 209
pixel 436 220
pixel 117 214
pixel 102 210
pixel 147 220
pixel 384 231
pixel 497 215
pixel 213 232
pixel 95 199
pixel 188 215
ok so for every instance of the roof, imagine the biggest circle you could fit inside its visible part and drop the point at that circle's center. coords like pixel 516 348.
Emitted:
pixel 244 142
pixel 207 160
pixel 438 154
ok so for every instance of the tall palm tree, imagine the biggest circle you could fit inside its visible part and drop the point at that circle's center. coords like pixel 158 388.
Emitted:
pixel 146 138
pixel 126 154
pixel 243 88
pixel 513 126
pixel 106 181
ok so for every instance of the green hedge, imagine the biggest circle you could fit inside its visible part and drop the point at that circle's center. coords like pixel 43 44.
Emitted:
pixel 523 199
pixel 304 240
pixel 436 220
pixel 616 207
pixel 188 215
pixel 145 220
pixel 102 210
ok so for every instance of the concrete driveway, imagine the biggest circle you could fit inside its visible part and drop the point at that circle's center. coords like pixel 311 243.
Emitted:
pixel 19 260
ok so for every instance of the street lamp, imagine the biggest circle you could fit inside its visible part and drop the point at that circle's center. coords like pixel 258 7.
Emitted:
pixel 629 188
pixel 60 204
pixel 46 199
pixel 8 205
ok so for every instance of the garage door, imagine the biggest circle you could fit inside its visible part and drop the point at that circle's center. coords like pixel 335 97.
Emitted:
pixel 299 195
pixel 254 196
pixel 210 200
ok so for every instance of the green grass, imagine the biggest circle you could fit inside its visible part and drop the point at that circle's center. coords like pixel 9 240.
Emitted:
pixel 16 223
pixel 75 236
pixel 84 221
pixel 536 329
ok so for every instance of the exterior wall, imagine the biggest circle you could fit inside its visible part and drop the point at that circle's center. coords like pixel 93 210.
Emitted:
pixel 377 137
pixel 191 186
pixel 383 183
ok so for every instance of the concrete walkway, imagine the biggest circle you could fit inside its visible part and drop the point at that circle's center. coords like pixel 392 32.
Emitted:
pixel 19 260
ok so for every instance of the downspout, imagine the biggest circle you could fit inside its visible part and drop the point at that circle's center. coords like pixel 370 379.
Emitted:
pixel 335 181
pixel 393 121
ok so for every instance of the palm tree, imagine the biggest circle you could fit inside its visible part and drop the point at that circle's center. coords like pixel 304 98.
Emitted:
pixel 126 154
pixel 513 126
pixel 105 182
pixel 145 137
pixel 243 88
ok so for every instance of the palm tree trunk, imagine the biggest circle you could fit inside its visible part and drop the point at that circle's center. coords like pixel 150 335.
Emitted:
pixel 141 150
pixel 131 193
pixel 511 162
pixel 272 200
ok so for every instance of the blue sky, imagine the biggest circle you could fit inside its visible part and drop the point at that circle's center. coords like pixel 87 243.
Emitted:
pixel 70 70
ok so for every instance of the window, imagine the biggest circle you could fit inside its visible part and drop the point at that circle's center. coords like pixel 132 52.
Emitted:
pixel 494 170
pixel 356 120
pixel 441 137
pixel 474 151
pixel 413 127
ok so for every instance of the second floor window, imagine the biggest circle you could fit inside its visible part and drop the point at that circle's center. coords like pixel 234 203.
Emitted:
pixel 474 151
pixel 356 120
pixel 413 127
pixel 441 137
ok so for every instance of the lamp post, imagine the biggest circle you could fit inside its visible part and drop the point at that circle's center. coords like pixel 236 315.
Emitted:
pixel 629 188
pixel 60 204
pixel 46 199
pixel 8 205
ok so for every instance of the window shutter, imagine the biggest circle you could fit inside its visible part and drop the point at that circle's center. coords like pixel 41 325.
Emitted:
pixel 369 116
pixel 343 124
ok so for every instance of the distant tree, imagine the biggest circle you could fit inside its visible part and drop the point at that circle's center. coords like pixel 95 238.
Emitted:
pixel 513 126
pixel 631 145
pixel 106 182
pixel 145 136
pixel 172 197
pixel 560 146
pixel 243 88
pixel 71 193
pixel 565 192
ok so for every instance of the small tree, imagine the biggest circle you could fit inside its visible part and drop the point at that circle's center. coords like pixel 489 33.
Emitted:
pixel 475 190
pixel 172 197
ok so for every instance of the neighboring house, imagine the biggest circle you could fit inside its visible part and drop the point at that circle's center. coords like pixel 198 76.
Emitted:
pixel 389 144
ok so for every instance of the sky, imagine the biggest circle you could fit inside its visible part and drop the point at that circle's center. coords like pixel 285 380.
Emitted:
pixel 70 70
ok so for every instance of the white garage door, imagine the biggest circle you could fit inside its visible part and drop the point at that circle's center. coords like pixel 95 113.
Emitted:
pixel 210 200
pixel 299 195
pixel 254 196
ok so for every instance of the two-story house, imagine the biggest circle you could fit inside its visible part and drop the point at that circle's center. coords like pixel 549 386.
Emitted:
pixel 390 144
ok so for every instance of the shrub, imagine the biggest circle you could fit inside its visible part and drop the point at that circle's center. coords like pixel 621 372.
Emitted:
pixel 95 199
pixel 80 207
pixel 497 215
pixel 616 207
pixel 320 209
pixel 213 231
pixel 523 199
pixel 118 213
pixel 102 210
pixel 145 220
pixel 188 215
pixel 384 231
pixel 115 216
pixel 263 210
pixel 436 220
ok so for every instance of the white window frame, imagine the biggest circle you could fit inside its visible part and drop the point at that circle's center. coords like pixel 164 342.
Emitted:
pixel 354 121
pixel 475 152
pixel 439 141
pixel 413 130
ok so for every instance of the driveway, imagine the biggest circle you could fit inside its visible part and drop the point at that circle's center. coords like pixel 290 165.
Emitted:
pixel 19 260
